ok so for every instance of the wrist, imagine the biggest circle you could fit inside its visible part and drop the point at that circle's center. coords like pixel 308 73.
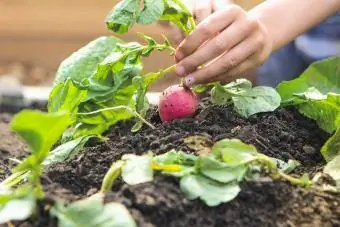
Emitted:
pixel 275 34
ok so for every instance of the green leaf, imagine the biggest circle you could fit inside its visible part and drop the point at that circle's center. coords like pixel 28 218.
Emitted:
pixel 117 82
pixel 331 148
pixel 176 12
pixel 137 169
pixel 220 95
pixel 220 171
pixel 333 169
pixel 153 10
pixel 234 151
pixel 65 96
pixel 111 176
pixel 65 151
pixel 10 212
pixel 123 16
pixel 176 157
pixel 11 200
pixel 256 100
pixel 40 130
pixel 211 192
pixel 15 178
pixel 316 82
pixel 128 12
pixel 186 162
pixel 325 112
pixel 83 63
pixel 247 100
pixel 142 103
pixel 286 167
pixel 92 212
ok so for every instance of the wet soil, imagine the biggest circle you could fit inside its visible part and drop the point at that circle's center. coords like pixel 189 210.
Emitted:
pixel 284 134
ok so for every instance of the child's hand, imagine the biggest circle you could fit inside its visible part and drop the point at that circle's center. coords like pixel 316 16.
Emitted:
pixel 200 10
pixel 229 43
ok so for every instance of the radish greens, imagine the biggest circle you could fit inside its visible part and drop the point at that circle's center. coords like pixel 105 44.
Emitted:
pixel 213 178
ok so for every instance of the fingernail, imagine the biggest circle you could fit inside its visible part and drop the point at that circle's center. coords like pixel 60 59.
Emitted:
pixel 189 80
pixel 179 56
pixel 180 70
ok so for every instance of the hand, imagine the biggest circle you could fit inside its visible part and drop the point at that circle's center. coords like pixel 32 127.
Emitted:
pixel 200 9
pixel 227 44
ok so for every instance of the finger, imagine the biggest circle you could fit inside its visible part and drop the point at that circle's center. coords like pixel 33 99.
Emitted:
pixel 206 29
pixel 241 71
pixel 245 67
pixel 202 9
pixel 223 42
pixel 176 34
pixel 220 4
pixel 226 62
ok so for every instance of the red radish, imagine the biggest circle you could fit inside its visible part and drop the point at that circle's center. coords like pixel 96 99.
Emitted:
pixel 177 102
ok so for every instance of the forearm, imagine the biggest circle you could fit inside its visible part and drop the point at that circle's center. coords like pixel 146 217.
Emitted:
pixel 284 20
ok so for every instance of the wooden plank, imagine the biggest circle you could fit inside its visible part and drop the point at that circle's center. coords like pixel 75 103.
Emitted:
pixel 57 19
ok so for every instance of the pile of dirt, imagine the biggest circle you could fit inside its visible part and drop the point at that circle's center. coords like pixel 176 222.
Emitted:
pixel 283 134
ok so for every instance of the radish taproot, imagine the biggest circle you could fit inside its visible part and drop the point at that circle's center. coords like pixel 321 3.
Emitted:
pixel 177 102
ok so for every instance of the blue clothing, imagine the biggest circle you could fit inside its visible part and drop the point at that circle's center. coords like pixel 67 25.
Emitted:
pixel 291 60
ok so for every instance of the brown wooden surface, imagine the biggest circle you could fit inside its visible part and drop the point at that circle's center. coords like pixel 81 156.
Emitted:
pixel 44 32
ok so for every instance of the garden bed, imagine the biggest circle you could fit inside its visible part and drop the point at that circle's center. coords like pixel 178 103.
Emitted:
pixel 283 134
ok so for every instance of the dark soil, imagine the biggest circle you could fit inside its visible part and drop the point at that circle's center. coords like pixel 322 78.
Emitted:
pixel 10 146
pixel 284 134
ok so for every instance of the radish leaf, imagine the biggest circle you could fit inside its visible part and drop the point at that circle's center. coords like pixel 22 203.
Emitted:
pixel 137 169
pixel 92 212
pixel 211 192
pixel 333 169
pixel 213 178
pixel 83 63
pixel 315 83
pixel 65 96
pixel 65 151
pixel 247 100
pixel 220 171
pixel 40 131
pixel 128 12
pixel 11 200
pixel 331 148
pixel 152 11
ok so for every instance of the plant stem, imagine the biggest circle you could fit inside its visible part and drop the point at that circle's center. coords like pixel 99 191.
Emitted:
pixel 111 175
pixel 192 23
pixel 169 69
pixel 294 180
pixel 119 108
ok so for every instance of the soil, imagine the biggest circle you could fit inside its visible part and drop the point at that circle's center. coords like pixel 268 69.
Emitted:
pixel 283 134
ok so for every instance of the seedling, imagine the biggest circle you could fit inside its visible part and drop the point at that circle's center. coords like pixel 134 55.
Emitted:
pixel 213 178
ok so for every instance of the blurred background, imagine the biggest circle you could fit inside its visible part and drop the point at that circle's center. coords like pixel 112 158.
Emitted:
pixel 36 35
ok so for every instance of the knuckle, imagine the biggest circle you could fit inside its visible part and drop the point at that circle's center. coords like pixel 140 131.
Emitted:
pixel 230 62
pixel 259 42
pixel 234 9
pixel 219 44
pixel 185 49
pixel 205 29
pixel 189 65
pixel 252 24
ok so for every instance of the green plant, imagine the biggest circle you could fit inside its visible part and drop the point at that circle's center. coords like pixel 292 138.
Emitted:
pixel 213 178
pixel 316 94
